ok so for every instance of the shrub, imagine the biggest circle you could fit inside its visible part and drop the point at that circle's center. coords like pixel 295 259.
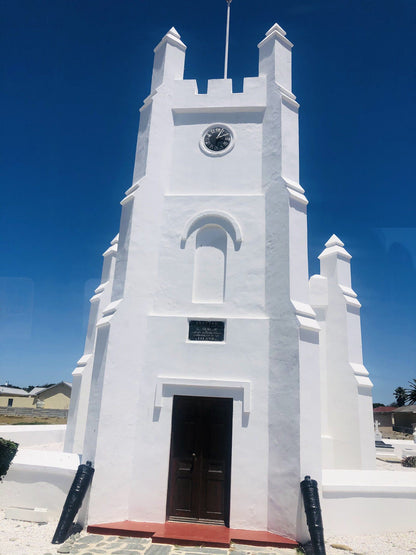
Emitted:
pixel 409 461
pixel 8 450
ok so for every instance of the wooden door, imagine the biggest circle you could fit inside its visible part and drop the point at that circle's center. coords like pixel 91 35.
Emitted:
pixel 200 460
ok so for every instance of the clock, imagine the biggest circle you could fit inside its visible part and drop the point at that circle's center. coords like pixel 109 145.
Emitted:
pixel 217 140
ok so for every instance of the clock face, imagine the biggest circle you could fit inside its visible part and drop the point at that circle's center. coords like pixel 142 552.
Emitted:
pixel 217 139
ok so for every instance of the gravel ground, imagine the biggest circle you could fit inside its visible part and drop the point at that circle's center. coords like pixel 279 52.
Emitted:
pixel 384 544
pixel 25 538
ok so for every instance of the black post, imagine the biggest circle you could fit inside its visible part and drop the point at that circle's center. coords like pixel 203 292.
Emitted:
pixel 73 501
pixel 310 496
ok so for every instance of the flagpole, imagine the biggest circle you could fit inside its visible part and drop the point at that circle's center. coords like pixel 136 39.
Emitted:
pixel 227 32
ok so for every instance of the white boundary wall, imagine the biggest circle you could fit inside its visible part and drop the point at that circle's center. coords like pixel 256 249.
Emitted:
pixel 39 479
pixel 29 436
pixel 368 501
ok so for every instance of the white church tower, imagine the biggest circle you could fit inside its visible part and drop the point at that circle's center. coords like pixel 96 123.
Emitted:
pixel 198 395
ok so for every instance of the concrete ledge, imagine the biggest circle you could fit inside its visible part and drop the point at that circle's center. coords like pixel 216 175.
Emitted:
pixel 39 479
pixel 31 515
pixel 368 501
pixel 46 460
pixel 27 436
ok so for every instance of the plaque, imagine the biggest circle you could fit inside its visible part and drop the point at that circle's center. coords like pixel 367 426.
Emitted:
pixel 205 330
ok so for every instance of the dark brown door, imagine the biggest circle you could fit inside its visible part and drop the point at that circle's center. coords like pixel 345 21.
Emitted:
pixel 200 460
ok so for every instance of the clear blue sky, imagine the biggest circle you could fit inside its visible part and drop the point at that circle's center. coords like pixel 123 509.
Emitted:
pixel 73 75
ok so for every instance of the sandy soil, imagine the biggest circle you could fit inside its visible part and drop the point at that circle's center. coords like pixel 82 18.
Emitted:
pixel 26 538
pixel 16 420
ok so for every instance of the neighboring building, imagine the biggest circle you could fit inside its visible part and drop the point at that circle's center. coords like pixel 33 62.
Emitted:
pixel 232 376
pixel 12 397
pixel 384 416
pixel 399 419
pixel 54 397
pixel 405 419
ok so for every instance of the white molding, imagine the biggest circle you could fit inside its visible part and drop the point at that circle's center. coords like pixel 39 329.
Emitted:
pixel 127 199
pixel 112 250
pixel 359 369
pixel 172 37
pixel 108 313
pixel 340 252
pixel 101 287
pixel 135 186
pixel 274 34
pixel 303 309
pixel 204 383
pixel 111 308
pixel 83 361
pixel 288 98
pixel 348 291
pixel 214 214
pixel 148 100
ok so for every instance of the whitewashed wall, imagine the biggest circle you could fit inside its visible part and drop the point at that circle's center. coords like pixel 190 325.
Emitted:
pixel 268 363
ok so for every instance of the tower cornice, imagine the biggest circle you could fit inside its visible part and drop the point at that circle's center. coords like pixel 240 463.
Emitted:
pixel 172 37
pixel 276 33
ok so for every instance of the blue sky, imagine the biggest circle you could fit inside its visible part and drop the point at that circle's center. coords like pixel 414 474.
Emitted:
pixel 73 75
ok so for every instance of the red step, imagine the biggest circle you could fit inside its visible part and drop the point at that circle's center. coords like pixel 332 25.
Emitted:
pixel 181 533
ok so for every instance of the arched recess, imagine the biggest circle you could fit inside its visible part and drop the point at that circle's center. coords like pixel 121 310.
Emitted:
pixel 210 265
pixel 210 261
pixel 218 218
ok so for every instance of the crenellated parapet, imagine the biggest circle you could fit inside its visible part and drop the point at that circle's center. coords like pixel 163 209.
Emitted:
pixel 219 96
pixel 275 66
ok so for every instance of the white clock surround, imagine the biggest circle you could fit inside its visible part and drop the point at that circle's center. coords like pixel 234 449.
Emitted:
pixel 206 150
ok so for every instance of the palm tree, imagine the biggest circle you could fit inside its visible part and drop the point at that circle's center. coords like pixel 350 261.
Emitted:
pixel 400 395
pixel 411 393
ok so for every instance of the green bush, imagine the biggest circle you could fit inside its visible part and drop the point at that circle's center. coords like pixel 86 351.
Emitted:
pixel 409 461
pixel 8 450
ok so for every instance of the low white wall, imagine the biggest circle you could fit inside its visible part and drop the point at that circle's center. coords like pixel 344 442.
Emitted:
pixel 401 446
pixel 368 501
pixel 39 479
pixel 29 436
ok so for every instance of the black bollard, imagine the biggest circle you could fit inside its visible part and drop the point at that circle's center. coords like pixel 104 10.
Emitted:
pixel 310 496
pixel 73 501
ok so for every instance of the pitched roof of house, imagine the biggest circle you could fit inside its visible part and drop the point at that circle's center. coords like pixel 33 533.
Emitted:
pixel 384 409
pixel 36 390
pixel 406 408
pixel 13 391
pixel 42 389
pixel 5 390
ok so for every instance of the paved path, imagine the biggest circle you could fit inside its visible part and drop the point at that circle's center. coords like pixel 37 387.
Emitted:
pixel 114 545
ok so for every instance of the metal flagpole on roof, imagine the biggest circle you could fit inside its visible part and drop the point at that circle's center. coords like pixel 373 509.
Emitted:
pixel 227 32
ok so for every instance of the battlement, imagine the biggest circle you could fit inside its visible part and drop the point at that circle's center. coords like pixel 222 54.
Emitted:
pixel 275 66
pixel 219 95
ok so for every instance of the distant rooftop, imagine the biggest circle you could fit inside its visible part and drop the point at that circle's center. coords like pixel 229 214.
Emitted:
pixel 5 390
pixel 12 391
pixel 406 408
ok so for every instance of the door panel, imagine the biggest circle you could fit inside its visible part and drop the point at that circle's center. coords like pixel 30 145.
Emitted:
pixel 200 461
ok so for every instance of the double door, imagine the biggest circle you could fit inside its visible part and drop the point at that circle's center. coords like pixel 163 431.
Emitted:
pixel 200 460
